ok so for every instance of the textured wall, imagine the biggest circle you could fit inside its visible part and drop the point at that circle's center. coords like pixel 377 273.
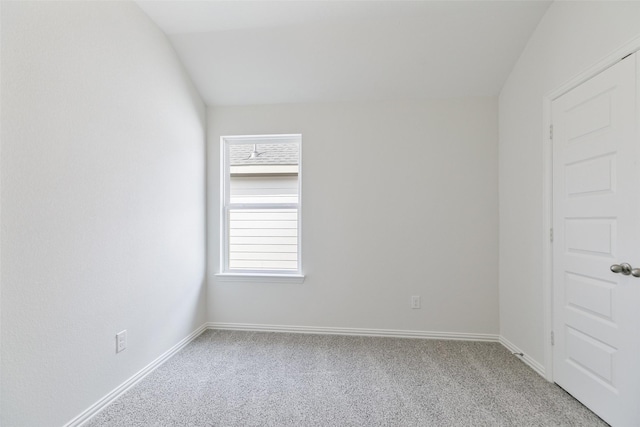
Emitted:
pixel 571 37
pixel 102 204
pixel 399 199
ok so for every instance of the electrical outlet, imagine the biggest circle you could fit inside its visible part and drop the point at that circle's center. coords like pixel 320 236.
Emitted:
pixel 415 301
pixel 121 341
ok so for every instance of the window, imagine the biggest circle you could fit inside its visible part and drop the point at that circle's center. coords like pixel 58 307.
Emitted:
pixel 260 206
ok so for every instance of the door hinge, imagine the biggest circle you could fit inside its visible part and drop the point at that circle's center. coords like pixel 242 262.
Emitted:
pixel 553 338
pixel 551 234
pixel 551 132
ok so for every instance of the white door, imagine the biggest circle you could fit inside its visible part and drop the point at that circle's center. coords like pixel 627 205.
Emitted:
pixel 596 220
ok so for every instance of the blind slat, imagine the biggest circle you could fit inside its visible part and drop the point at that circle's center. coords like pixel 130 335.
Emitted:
pixel 264 248
pixel 234 240
pixel 263 224
pixel 256 265
pixel 278 256
pixel 258 232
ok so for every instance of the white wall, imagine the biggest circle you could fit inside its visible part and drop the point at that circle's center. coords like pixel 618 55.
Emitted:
pixel 571 37
pixel 399 199
pixel 102 204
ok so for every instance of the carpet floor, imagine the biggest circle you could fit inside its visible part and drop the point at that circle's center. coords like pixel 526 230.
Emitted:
pixel 233 378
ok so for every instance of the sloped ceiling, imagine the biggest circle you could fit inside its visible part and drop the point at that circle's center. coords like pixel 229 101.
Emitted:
pixel 267 52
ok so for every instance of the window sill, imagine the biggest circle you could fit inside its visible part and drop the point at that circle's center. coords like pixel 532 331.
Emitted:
pixel 260 278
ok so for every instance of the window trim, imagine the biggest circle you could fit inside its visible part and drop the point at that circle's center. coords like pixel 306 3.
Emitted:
pixel 280 276
pixel 260 278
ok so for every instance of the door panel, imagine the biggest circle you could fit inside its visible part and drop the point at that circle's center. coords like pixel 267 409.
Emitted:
pixel 596 219
pixel 589 294
pixel 590 176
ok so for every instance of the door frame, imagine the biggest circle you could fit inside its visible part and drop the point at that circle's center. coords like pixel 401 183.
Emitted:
pixel 626 49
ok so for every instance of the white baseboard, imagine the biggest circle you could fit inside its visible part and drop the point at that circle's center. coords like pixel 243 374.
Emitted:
pixel 94 409
pixel 394 333
pixel 525 358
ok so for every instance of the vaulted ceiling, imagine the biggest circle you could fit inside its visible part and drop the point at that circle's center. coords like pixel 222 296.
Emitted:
pixel 267 52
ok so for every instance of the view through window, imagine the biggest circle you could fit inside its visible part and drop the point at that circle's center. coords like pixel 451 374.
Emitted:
pixel 261 204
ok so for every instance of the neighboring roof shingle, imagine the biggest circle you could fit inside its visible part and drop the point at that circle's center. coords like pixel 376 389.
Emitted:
pixel 270 154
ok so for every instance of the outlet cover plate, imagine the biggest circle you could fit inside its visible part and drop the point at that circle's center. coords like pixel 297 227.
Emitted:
pixel 415 301
pixel 121 341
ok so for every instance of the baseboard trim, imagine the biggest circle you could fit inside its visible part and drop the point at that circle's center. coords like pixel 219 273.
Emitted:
pixel 97 407
pixel 393 333
pixel 525 358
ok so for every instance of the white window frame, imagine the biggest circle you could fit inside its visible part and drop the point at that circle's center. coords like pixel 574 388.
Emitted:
pixel 278 276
